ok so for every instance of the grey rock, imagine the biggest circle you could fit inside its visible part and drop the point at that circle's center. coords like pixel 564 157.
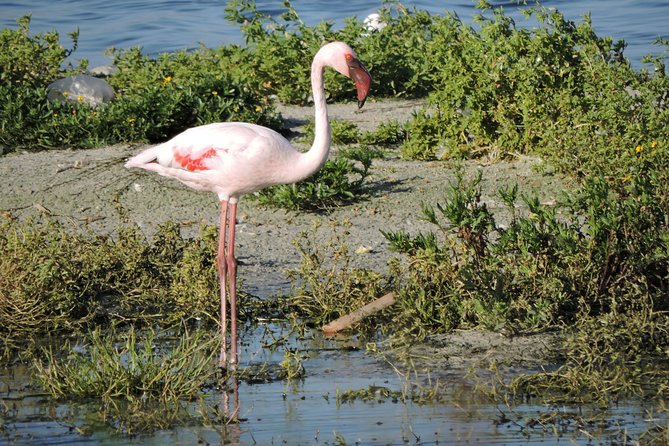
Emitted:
pixel 103 70
pixel 81 88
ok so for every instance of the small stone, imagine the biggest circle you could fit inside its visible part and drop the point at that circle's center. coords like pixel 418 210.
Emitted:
pixel 362 249
pixel 103 70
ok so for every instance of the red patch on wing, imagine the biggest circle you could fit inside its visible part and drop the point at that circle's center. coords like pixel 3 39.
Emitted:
pixel 192 164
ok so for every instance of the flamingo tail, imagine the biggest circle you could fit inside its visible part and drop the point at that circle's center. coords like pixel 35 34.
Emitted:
pixel 144 157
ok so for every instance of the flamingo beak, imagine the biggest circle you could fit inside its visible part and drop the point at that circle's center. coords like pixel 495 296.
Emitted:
pixel 362 78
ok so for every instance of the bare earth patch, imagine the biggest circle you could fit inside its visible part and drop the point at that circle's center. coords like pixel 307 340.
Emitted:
pixel 476 349
pixel 93 191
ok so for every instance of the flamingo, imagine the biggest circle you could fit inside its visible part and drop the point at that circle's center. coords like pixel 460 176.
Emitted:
pixel 235 158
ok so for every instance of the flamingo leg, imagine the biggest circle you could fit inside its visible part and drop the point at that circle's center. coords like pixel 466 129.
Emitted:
pixel 222 274
pixel 232 283
pixel 227 271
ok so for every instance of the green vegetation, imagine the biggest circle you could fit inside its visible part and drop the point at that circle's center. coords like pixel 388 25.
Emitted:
pixel 600 255
pixel 134 369
pixel 141 387
pixel 559 91
pixel 56 280
pixel 595 265
pixel 600 268
pixel 326 285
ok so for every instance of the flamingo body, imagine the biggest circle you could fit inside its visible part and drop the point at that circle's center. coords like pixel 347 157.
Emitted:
pixel 230 159
pixel 234 158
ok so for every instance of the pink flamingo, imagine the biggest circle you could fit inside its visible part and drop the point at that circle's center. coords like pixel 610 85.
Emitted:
pixel 234 158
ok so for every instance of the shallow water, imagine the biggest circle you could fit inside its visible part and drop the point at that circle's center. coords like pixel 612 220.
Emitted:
pixel 305 412
pixel 168 25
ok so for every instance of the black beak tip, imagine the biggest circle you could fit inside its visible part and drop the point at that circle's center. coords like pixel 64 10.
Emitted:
pixel 361 103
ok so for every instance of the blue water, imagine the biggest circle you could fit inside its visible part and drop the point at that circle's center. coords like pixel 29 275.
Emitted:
pixel 167 25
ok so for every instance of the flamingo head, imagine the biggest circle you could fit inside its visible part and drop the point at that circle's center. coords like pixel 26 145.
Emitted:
pixel 342 58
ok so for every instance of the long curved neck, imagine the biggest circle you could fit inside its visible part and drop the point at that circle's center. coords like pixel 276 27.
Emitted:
pixel 314 159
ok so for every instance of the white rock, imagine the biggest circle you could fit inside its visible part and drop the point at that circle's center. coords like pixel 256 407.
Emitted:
pixel 373 22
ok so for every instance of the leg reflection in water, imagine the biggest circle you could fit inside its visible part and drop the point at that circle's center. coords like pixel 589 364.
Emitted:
pixel 230 412
pixel 231 402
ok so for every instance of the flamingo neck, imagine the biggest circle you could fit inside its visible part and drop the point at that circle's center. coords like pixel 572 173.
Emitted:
pixel 314 159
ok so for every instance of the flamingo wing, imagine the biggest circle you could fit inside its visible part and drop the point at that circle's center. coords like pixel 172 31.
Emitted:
pixel 228 158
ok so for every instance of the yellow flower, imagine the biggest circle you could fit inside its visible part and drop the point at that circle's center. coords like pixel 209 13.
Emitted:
pixel 80 98
pixel 215 93
pixel 638 148
pixel 653 144
pixel 258 109
pixel 66 93
pixel 627 178
pixel 167 80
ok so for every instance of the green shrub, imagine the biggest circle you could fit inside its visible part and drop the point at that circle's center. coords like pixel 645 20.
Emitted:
pixel 32 61
pixel 389 133
pixel 280 51
pixel 500 89
pixel 608 249
pixel 55 280
pixel 342 132
pixel 157 98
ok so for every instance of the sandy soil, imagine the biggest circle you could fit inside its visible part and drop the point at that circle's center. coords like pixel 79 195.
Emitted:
pixel 87 188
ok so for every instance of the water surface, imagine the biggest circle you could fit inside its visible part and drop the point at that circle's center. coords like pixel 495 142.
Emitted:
pixel 306 412
pixel 167 25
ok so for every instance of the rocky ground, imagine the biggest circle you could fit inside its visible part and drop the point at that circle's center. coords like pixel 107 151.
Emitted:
pixel 92 190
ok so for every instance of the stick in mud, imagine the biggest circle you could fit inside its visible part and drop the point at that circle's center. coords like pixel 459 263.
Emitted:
pixel 346 321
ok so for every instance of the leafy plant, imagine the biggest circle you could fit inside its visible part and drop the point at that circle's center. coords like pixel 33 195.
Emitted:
pixel 155 98
pixel 499 88
pixel 342 131
pixel 540 270
pixel 386 134
pixel 280 50
pixel 32 61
